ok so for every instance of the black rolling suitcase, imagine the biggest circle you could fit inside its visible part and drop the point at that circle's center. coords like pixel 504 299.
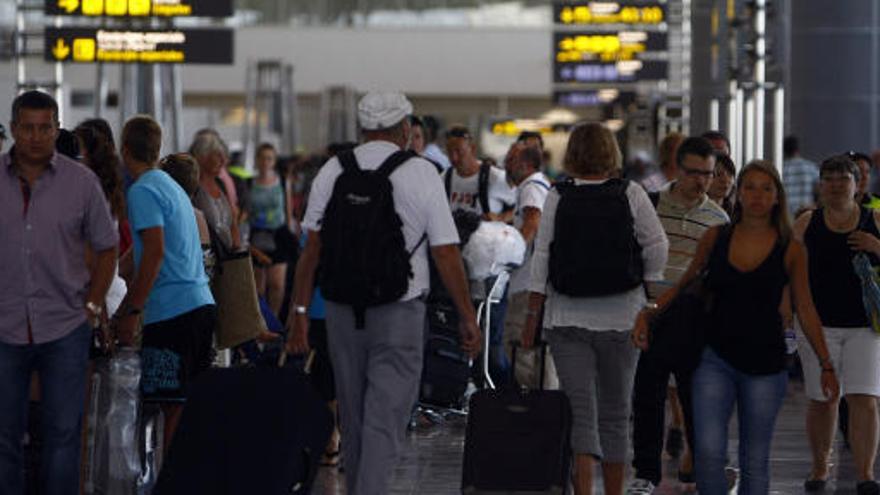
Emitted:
pixel 258 430
pixel 517 442
pixel 446 368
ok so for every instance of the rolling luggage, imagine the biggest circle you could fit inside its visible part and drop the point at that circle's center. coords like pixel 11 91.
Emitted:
pixel 446 368
pixel 517 441
pixel 248 430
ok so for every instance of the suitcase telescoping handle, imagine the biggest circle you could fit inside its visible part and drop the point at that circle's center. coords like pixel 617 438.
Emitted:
pixel 539 344
pixel 307 367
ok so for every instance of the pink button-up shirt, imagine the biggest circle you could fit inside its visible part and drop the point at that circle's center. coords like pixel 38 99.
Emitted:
pixel 43 274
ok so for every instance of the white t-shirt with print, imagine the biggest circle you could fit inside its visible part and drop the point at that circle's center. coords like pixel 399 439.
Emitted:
pixel 531 193
pixel 419 199
pixel 464 191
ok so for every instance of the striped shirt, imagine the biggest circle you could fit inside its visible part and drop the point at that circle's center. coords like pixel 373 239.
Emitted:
pixel 684 227
pixel 800 177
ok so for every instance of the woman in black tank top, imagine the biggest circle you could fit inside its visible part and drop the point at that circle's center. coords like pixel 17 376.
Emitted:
pixel 833 235
pixel 749 263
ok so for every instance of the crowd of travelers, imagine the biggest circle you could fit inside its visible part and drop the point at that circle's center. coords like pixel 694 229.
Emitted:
pixel 635 278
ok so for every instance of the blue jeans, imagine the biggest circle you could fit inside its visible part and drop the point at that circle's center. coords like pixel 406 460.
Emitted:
pixel 62 368
pixel 716 387
pixel 499 365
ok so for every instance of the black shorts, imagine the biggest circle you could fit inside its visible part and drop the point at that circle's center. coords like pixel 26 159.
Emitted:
pixel 286 245
pixel 175 351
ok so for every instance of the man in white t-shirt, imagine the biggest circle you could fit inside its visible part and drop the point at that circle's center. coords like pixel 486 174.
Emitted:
pixel 480 188
pixel 472 185
pixel 523 165
pixel 377 367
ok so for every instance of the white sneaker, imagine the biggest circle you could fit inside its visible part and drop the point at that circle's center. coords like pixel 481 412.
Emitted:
pixel 639 486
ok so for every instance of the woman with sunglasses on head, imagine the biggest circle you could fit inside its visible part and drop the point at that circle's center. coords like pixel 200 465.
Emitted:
pixel 833 234
pixel 747 265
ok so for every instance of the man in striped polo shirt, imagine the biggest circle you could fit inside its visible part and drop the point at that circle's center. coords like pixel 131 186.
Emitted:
pixel 800 177
pixel 686 212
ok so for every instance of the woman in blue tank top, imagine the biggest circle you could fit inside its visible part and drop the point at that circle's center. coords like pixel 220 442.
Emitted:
pixel 270 229
pixel 749 263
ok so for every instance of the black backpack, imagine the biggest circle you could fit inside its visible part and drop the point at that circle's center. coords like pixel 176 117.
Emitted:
pixel 594 250
pixel 364 261
pixel 482 186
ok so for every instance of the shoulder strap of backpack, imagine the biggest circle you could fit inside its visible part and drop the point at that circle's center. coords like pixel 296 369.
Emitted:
pixel 447 181
pixel 564 185
pixel 655 198
pixel 396 159
pixel 483 187
pixel 620 185
pixel 540 183
pixel 348 161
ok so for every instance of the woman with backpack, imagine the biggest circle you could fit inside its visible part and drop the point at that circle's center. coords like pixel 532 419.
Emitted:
pixel 747 265
pixel 599 240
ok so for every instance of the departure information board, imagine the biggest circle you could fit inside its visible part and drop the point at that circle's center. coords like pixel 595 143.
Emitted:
pixel 608 46
pixel 611 72
pixel 140 8
pixel 593 97
pixel 175 46
pixel 598 13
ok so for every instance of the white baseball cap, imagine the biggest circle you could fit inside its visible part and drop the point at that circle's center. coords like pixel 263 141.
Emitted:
pixel 379 110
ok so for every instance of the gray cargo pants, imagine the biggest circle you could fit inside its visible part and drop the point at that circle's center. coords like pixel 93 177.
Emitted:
pixel 377 370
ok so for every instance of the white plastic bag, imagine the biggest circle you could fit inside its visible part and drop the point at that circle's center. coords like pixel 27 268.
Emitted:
pixel 495 246
pixel 117 457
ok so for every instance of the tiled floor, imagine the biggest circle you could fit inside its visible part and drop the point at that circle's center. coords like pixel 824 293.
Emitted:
pixel 431 461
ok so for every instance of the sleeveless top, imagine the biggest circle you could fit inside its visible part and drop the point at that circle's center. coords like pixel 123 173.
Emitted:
pixel 746 329
pixel 217 214
pixel 267 206
pixel 837 290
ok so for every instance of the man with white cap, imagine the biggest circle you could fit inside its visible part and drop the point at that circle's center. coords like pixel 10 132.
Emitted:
pixel 377 349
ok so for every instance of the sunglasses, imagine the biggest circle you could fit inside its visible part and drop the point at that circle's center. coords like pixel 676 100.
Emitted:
pixel 858 157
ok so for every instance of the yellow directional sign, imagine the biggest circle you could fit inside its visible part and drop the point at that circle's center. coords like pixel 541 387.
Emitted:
pixel 69 6
pixel 139 8
pixel 83 50
pixel 116 7
pixel 90 45
pixel 93 7
pixel 60 51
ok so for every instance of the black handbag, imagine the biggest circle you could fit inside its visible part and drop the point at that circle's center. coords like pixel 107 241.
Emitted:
pixel 677 335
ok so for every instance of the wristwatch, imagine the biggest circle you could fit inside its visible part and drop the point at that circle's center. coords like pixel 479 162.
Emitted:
pixel 94 309
pixel 300 310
